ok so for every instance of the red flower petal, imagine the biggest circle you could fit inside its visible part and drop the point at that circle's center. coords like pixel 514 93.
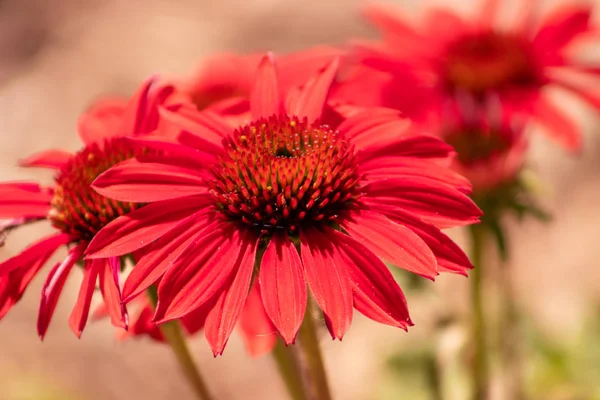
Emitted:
pixel 393 243
pixel 210 129
pixel 111 291
pixel 585 94
pixel 264 99
pixel 101 121
pixel 79 315
pixel 159 257
pixel 400 167
pixel 384 128
pixel 143 226
pixel 184 155
pixel 24 268
pixel 257 330
pixel 22 199
pixel 557 124
pixel 376 293
pixel 309 102
pixel 449 255
pixel 53 287
pixel 328 280
pixel 282 286
pixel 364 121
pixel 436 204
pixel 54 159
pixel 143 182
pixel 200 274
pixel 297 68
pixel 38 252
pixel 561 28
pixel 416 146
pixel 226 312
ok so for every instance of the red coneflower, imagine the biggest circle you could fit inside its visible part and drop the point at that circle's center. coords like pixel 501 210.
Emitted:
pixel 293 200
pixel 451 56
pixel 490 147
pixel 75 210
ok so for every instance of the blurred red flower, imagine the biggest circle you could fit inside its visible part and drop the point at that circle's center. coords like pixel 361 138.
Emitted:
pixel 448 58
pixel 490 147
pixel 290 201
pixel 75 210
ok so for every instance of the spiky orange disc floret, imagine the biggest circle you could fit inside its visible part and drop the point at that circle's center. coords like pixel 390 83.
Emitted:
pixel 76 208
pixel 489 61
pixel 283 173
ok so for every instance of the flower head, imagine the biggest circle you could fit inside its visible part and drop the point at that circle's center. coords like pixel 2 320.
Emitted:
pixel 448 57
pixel 490 148
pixel 75 210
pixel 288 201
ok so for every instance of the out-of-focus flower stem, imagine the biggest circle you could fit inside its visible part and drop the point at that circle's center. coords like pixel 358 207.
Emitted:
pixel 316 382
pixel 480 361
pixel 174 337
pixel 289 370
pixel 511 345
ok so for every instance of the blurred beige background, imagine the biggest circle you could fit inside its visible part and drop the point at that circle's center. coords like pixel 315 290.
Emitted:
pixel 56 56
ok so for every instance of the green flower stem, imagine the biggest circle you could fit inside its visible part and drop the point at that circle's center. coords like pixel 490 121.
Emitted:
pixel 289 370
pixel 511 345
pixel 480 362
pixel 174 336
pixel 316 384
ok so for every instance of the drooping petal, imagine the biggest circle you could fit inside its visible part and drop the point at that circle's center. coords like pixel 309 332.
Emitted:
pixel 584 94
pixel 53 287
pixel 559 29
pixel 392 242
pixel 200 274
pixel 450 257
pixel 141 227
pixel 557 124
pixel 376 292
pixel 264 98
pixel 24 199
pixel 143 182
pixel 111 291
pixel 258 332
pixel 328 280
pixel 439 205
pixel 222 318
pixel 38 252
pixel 54 159
pixel 283 287
pixel 79 315
pixel 309 102
pixel 14 283
pixel 159 257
